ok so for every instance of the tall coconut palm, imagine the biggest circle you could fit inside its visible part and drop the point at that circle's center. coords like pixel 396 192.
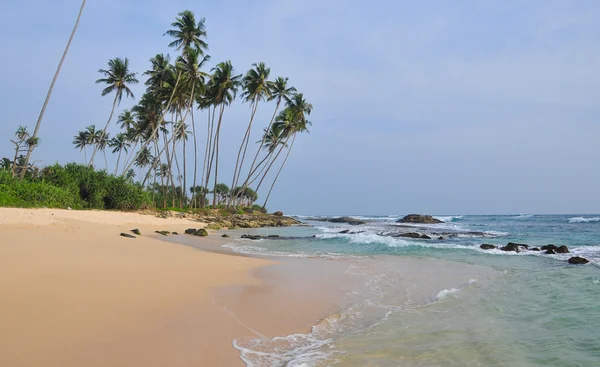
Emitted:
pixel 49 94
pixel 117 78
pixel 119 144
pixel 256 88
pixel 126 120
pixel 194 83
pixel 299 110
pixel 91 135
pixel 279 91
pixel 187 33
pixel 81 141
pixel 181 134
pixel 143 159
pixel 222 91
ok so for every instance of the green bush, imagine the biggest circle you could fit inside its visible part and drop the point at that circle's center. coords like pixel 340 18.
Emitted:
pixel 75 186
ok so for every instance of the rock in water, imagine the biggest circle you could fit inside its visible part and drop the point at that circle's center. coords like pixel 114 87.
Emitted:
pixel 518 245
pixel 418 218
pixel 535 249
pixel 425 237
pixel 578 260
pixel 190 231
pixel 201 232
pixel 548 247
pixel 127 235
pixel 510 247
pixel 550 251
pixel 411 235
pixel 485 246
pixel 562 250
pixel 225 235
pixel 344 231
pixel 136 231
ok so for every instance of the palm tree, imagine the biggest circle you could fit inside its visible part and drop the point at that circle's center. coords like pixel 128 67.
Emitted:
pixel 256 88
pixel 119 143
pixel 181 133
pixel 222 91
pixel 126 120
pixel 81 141
pixel 222 191
pixel 187 32
pixel 279 92
pixel 194 83
pixel 116 77
pixel 143 159
pixel 91 135
pixel 102 142
pixel 298 110
pixel 60 64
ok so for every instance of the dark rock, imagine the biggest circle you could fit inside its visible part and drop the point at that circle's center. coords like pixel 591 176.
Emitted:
pixel 201 232
pixel 127 235
pixel 550 252
pixel 190 231
pixel 356 232
pixel 410 235
pixel 136 231
pixel 425 237
pixel 225 235
pixel 351 221
pixel 562 250
pixel 421 219
pixel 518 245
pixel 164 233
pixel 578 260
pixel 278 214
pixel 344 231
pixel 175 233
pixel 548 247
pixel 510 247
pixel 441 238
pixel 485 246
pixel 273 236
pixel 535 249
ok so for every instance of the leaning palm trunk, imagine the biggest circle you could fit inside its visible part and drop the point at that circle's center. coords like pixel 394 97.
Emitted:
pixel 155 129
pixel 279 172
pixel 60 64
pixel 244 145
pixel 118 159
pixel 271 164
pixel 128 156
pixel 212 142
pixel 112 111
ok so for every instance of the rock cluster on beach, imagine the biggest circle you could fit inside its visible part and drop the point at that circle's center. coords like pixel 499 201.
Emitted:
pixel 197 232
pixel 547 250
pixel 419 219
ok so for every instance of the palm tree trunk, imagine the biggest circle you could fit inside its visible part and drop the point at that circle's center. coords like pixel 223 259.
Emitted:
pixel 212 142
pixel 271 164
pixel 195 145
pixel 128 156
pixel 105 161
pixel 243 146
pixel 118 159
pixel 84 155
pixel 184 175
pixel 112 111
pixel 217 135
pixel 60 64
pixel 278 172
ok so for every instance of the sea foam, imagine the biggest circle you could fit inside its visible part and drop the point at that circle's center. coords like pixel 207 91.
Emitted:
pixel 583 220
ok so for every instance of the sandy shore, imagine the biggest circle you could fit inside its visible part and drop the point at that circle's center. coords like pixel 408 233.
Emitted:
pixel 74 293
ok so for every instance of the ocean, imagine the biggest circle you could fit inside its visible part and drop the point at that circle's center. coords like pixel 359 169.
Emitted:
pixel 444 301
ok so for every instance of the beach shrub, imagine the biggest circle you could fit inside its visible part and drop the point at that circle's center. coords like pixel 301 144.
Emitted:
pixel 73 185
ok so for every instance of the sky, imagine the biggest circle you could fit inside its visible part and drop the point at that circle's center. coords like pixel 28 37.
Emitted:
pixel 461 107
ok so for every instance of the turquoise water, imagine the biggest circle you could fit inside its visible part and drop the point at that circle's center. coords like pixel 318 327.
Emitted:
pixel 445 302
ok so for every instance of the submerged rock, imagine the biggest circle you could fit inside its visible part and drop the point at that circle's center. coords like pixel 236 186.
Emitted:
pixel 344 231
pixel 518 245
pixel 127 235
pixel 486 246
pixel 510 247
pixel 410 235
pixel 578 260
pixel 421 219
pixel 225 235
pixel 425 237
pixel 562 250
pixel 252 237
pixel 136 231
pixel 550 251
pixel 349 220
pixel 535 249
pixel 548 247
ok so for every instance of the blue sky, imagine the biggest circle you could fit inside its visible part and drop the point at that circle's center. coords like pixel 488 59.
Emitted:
pixel 432 106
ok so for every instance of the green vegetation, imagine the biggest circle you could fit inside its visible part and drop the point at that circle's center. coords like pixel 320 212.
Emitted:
pixel 150 140
pixel 75 186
